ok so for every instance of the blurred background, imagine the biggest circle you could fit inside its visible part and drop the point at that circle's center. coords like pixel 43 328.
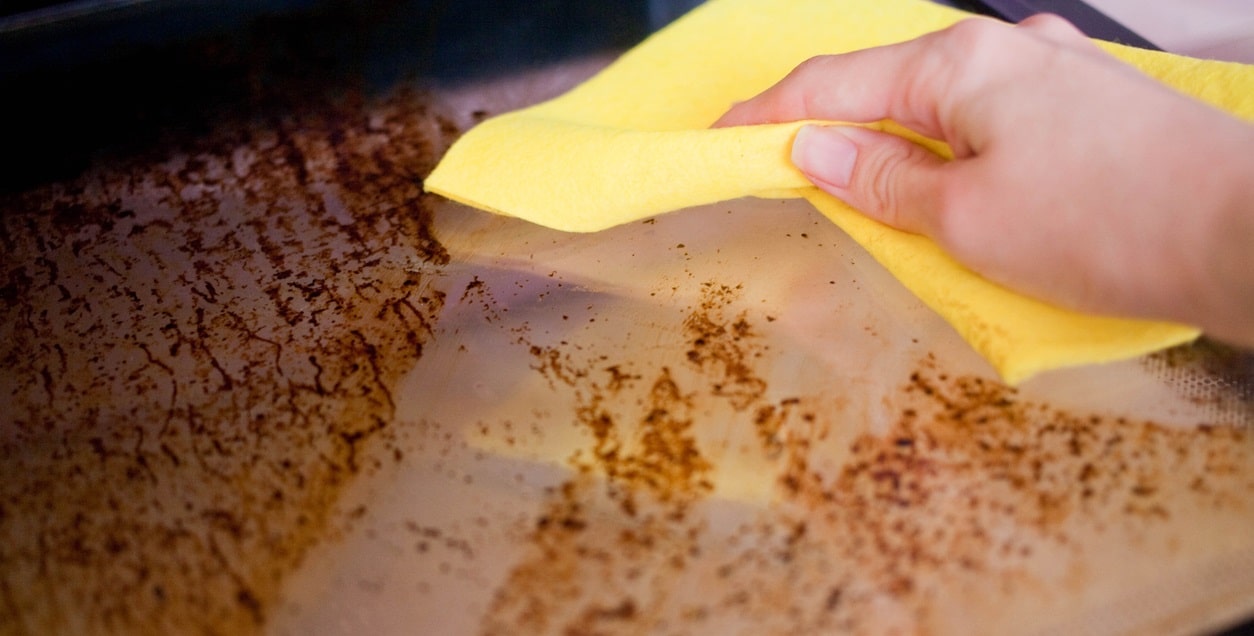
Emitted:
pixel 87 76
pixel 97 75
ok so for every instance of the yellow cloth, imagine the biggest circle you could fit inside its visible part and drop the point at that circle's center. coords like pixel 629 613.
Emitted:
pixel 634 142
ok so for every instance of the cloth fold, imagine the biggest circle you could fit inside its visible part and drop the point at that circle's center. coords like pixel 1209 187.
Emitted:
pixel 633 142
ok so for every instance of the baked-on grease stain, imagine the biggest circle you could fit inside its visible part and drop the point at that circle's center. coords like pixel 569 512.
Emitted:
pixel 199 349
pixel 969 482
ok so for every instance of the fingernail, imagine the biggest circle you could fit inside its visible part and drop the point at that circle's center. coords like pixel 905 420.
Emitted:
pixel 824 154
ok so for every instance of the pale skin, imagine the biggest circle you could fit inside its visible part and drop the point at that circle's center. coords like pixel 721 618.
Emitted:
pixel 1075 178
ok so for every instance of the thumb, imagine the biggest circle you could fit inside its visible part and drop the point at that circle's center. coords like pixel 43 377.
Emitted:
pixel 886 177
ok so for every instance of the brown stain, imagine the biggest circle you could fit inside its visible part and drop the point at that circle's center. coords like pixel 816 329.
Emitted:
pixel 970 482
pixel 921 505
pixel 199 350
pixel 626 514
pixel 719 345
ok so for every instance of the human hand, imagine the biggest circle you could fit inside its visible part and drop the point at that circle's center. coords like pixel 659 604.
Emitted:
pixel 1075 178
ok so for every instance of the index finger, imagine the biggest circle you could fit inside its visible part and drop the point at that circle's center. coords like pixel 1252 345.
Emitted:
pixel 913 83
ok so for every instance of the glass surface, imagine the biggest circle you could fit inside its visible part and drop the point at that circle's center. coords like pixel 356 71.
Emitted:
pixel 255 381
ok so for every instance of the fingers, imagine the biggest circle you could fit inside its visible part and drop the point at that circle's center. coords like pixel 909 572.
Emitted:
pixel 965 85
pixel 894 82
pixel 884 176
pixel 921 83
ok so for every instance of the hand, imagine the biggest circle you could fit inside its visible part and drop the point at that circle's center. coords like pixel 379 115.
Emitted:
pixel 1075 178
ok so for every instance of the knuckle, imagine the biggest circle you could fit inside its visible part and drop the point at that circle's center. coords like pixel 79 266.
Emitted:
pixel 1054 28
pixel 812 69
pixel 1049 22
pixel 1043 20
pixel 962 57
pixel 969 39
pixel 812 103
pixel 811 65
pixel 975 48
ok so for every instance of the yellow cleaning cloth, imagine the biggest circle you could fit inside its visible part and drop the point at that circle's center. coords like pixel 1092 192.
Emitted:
pixel 634 142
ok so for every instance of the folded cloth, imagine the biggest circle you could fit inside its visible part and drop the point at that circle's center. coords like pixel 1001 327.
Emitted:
pixel 633 142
